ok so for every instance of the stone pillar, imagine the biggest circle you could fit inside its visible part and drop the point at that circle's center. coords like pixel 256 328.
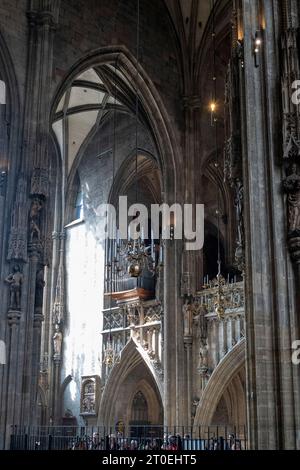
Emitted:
pixel 224 325
pixel 3 180
pixel 156 338
pixel 55 383
pixel 12 361
pixel 28 234
pixel 189 374
pixel 150 341
pixel 28 366
pixel 56 328
pixel 36 357
pixel 233 333
pixel 215 340
pixel 173 350
pixel 272 403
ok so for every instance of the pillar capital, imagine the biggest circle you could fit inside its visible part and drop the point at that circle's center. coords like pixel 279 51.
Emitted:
pixel 13 317
pixel 38 320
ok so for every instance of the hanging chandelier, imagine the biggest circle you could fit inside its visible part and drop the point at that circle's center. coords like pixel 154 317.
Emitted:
pixel 138 257
pixel 132 257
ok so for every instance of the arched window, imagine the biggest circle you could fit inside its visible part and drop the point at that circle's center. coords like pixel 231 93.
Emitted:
pixel 139 409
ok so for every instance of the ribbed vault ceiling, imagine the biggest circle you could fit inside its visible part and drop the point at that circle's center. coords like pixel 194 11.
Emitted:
pixel 189 18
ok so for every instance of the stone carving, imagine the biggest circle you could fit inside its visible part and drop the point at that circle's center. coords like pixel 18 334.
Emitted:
pixel 132 315
pixel 240 243
pixel 239 204
pixel 59 299
pixel 17 245
pixel 88 402
pixel 188 315
pixel 34 220
pixel 185 287
pixel 291 133
pixel 88 405
pixel 39 183
pixel 292 148
pixel 203 359
pixel 195 404
pixel 233 171
pixel 15 281
pixel 202 323
pixel 292 187
pixel 57 341
pixel 194 313
pixel 39 289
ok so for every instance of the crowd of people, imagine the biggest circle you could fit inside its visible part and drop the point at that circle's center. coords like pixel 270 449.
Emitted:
pixel 168 443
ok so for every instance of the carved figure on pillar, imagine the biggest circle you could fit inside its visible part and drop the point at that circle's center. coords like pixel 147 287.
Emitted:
pixel 39 289
pixel 292 187
pixel 57 341
pixel 203 325
pixel 15 281
pixel 203 359
pixel 34 220
pixel 185 284
pixel 188 315
pixel 239 204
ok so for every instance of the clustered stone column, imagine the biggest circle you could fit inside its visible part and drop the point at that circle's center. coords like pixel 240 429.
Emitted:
pixel 28 237
pixel 58 314
pixel 270 293
pixel 233 167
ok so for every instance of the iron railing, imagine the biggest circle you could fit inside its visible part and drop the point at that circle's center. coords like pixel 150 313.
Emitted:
pixel 133 438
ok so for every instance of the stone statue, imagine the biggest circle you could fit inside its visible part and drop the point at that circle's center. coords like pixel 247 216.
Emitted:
pixel 239 204
pixel 88 405
pixel 15 280
pixel 57 341
pixel 185 286
pixel 195 404
pixel 292 187
pixel 39 289
pixel 34 220
pixel 188 315
pixel 201 321
pixel 203 358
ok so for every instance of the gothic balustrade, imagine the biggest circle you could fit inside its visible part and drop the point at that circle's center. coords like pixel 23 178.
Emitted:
pixel 222 333
pixel 233 297
pixel 140 320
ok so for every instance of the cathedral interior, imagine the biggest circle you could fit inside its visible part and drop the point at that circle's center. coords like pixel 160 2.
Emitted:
pixel 183 102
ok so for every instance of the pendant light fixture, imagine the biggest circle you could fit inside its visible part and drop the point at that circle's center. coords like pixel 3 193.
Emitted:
pixel 132 255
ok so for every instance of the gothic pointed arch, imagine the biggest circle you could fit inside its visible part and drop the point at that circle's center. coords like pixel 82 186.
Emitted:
pixel 218 382
pixel 12 105
pixel 154 108
pixel 123 372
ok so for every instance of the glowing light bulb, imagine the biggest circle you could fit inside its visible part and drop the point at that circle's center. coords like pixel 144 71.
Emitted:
pixel 213 107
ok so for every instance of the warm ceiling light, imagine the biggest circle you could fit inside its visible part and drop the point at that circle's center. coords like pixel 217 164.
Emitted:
pixel 213 107
pixel 257 47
